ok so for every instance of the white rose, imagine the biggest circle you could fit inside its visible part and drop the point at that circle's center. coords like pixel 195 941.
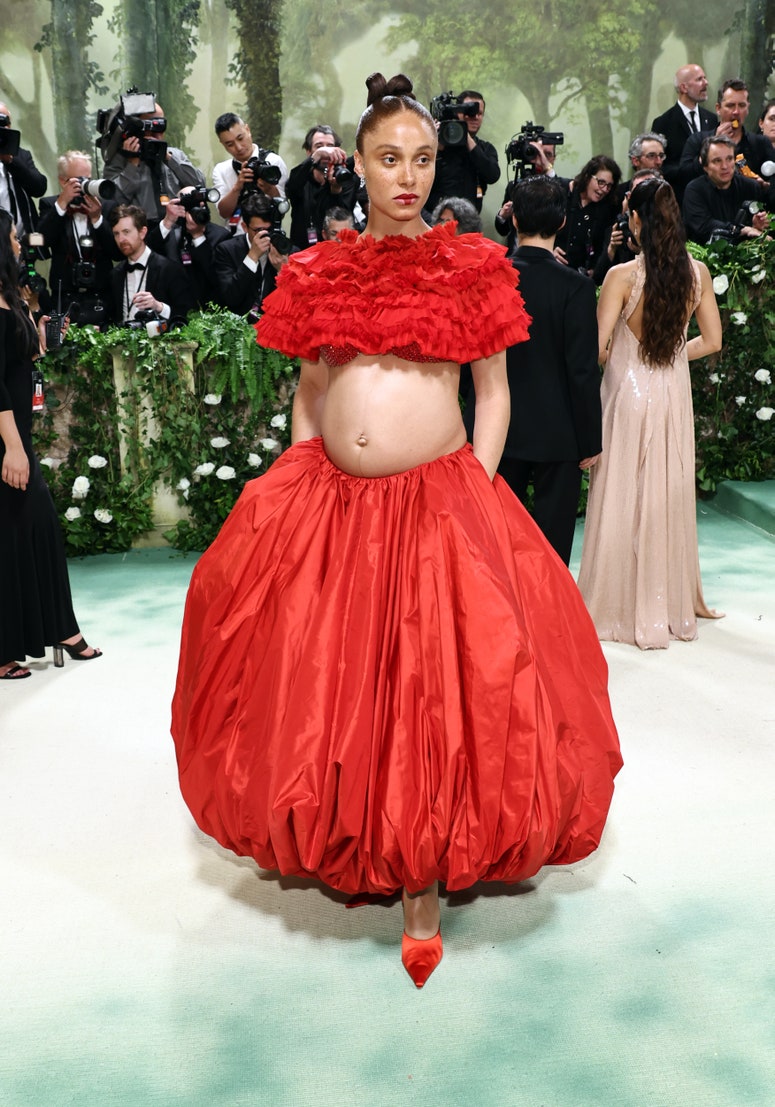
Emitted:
pixel 103 516
pixel 219 443
pixel 758 276
pixel 48 462
pixel 765 414
pixel 97 462
pixel 183 484
pixel 739 318
pixel 720 284
pixel 268 444
pixel 714 378
pixel 72 513
pixel 763 376
pixel 225 473
pixel 204 470
pixel 740 400
pixel 212 398
pixel 80 488
pixel 278 421
pixel 254 461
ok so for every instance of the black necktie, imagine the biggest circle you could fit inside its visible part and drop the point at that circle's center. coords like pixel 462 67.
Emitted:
pixel 692 122
pixel 135 267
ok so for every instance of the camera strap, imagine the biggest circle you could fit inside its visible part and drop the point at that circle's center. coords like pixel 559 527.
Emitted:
pixel 129 307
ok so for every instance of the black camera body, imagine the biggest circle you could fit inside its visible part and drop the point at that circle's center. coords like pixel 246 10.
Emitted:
pixel 521 148
pixel 262 170
pixel 9 138
pixel 115 125
pixel 446 109
pixel 31 246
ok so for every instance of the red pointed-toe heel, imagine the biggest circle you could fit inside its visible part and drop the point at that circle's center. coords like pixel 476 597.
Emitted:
pixel 420 956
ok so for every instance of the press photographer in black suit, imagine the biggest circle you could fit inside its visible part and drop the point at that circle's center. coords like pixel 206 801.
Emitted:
pixel 466 170
pixel 187 236
pixel 145 281
pixel 20 181
pixel 555 430
pixel 247 265
pixel 79 238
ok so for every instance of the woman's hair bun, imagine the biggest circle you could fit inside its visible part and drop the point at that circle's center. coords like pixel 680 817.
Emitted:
pixel 378 87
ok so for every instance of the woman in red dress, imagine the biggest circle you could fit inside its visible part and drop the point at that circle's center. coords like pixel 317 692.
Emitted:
pixel 387 677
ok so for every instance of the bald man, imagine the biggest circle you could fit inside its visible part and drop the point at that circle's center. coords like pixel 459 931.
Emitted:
pixel 685 118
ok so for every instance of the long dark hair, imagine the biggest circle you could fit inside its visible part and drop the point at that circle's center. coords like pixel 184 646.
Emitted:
pixel 668 293
pixel 387 98
pixel 26 334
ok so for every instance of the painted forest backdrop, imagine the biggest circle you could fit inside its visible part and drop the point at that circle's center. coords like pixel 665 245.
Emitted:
pixel 598 71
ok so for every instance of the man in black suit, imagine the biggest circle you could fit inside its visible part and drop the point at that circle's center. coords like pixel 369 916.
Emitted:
pixel 20 181
pixel 247 265
pixel 686 117
pixel 556 424
pixel 751 150
pixel 145 281
pixel 77 234
pixel 187 236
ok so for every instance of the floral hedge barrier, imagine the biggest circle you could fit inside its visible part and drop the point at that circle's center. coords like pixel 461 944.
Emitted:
pixel 213 439
pixel 205 443
pixel 734 397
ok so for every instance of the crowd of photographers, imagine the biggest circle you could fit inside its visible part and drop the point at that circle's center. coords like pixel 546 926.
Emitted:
pixel 147 241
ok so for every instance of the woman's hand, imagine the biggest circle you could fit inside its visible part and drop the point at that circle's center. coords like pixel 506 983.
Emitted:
pixel 16 467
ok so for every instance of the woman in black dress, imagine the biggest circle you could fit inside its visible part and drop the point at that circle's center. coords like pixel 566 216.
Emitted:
pixel 35 605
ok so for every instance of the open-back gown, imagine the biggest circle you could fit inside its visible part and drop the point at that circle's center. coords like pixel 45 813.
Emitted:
pixel 640 569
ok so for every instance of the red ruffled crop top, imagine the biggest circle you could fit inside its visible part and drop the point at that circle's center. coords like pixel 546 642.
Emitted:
pixel 438 297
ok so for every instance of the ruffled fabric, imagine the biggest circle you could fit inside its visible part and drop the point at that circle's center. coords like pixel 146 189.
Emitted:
pixel 344 709
pixel 443 296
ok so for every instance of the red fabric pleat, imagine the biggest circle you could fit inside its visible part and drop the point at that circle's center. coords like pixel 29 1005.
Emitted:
pixel 388 681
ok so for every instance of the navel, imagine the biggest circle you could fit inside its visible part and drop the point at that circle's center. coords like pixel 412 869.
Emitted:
pixel 361 440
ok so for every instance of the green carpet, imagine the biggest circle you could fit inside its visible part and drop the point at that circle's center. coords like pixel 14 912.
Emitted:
pixel 143 965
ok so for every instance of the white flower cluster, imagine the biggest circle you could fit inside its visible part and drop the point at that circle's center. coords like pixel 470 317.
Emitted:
pixel 97 462
pixel 763 376
pixel 219 443
pixel 720 284
pixel 765 414
pixel 278 422
pixel 739 318
pixel 758 274
pixel 268 444
pixel 212 398
pixel 102 515
pixel 81 486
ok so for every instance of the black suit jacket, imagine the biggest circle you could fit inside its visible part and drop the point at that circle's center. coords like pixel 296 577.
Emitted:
pixel 240 289
pixel 27 181
pixel 166 280
pixel 554 376
pixel 200 269
pixel 59 234
pixel 672 124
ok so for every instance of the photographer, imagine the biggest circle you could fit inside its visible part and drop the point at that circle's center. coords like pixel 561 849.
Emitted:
pixel 533 157
pixel 465 170
pixel 618 246
pixel 20 178
pixel 145 287
pixel 324 180
pixel 145 170
pixel 80 240
pixel 590 212
pixel 246 266
pixel 248 167
pixel 717 205
pixel 187 236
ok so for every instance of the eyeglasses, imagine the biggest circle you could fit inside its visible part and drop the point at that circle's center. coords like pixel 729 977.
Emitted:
pixel 656 156
pixel 602 183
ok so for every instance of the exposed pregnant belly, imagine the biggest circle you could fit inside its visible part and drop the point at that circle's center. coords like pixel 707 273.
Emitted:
pixel 383 416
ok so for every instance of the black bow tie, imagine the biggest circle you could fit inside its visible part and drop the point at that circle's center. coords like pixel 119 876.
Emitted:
pixel 134 267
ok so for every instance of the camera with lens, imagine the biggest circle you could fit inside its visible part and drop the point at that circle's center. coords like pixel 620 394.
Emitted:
pixel 622 222
pixel 277 236
pixel 341 173
pixel 262 170
pixel 195 202
pixel 100 189
pixel 521 149
pixel 9 138
pixel 146 319
pixel 31 245
pixel 446 109
pixel 115 125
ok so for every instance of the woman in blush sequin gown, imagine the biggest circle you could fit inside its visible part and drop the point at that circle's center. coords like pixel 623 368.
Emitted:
pixel 640 571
